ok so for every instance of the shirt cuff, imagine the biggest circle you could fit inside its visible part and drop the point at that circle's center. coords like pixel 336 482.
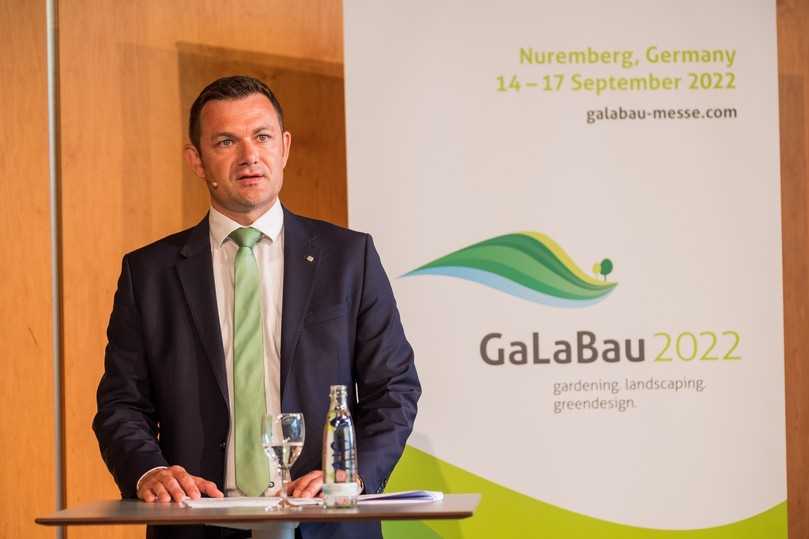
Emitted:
pixel 137 485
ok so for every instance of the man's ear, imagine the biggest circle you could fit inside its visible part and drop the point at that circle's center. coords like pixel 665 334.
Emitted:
pixel 192 157
pixel 287 141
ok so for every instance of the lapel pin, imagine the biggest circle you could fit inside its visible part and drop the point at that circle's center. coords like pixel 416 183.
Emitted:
pixel 310 258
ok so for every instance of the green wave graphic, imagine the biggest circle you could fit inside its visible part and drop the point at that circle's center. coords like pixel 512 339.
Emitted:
pixel 505 513
pixel 529 265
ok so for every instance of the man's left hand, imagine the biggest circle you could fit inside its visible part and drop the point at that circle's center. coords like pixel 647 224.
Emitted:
pixel 310 485
pixel 306 486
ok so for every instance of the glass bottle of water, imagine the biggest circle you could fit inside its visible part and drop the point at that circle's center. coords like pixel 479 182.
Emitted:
pixel 340 479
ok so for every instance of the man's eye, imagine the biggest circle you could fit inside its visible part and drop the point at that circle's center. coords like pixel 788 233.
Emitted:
pixel 264 137
pixel 224 142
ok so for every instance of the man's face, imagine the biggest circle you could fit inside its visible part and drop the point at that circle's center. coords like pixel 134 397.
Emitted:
pixel 242 154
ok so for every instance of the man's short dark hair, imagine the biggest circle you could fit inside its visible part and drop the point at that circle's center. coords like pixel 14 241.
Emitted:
pixel 234 87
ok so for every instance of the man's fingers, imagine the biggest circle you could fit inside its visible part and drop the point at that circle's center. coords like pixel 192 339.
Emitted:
pixel 312 488
pixel 189 485
pixel 168 484
pixel 208 487
pixel 147 495
pixel 161 494
pixel 298 484
pixel 307 486
pixel 175 484
pixel 174 489
pixel 171 478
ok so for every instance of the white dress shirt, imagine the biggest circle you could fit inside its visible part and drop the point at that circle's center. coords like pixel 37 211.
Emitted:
pixel 269 253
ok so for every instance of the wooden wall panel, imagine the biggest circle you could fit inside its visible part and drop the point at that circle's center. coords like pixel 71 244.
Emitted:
pixel 793 68
pixel 128 73
pixel 27 435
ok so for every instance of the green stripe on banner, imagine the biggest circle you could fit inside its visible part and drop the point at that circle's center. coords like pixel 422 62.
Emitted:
pixel 505 513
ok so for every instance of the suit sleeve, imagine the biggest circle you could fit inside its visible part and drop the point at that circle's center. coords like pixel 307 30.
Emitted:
pixel 385 372
pixel 126 424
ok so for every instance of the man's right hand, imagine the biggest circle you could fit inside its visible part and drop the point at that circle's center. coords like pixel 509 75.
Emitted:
pixel 175 484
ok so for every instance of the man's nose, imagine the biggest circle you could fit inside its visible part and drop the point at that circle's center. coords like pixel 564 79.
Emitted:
pixel 249 153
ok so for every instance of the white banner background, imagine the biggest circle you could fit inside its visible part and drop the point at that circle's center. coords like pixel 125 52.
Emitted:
pixel 688 210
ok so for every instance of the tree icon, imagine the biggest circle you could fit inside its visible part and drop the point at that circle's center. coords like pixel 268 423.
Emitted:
pixel 603 268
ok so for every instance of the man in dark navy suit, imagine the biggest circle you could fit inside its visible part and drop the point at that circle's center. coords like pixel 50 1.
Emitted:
pixel 165 420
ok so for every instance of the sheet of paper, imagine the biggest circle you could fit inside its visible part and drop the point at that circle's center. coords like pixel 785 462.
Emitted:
pixel 409 496
pixel 235 501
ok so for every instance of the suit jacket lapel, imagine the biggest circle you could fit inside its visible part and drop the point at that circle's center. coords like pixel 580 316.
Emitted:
pixel 195 270
pixel 301 259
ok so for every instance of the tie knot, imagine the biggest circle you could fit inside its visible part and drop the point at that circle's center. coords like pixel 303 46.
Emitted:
pixel 245 237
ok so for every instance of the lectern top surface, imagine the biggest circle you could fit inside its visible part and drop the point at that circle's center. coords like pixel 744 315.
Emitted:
pixel 453 506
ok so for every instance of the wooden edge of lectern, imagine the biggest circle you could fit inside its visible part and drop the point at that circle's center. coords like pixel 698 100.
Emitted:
pixel 453 506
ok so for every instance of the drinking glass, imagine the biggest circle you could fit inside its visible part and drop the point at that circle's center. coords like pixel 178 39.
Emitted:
pixel 282 437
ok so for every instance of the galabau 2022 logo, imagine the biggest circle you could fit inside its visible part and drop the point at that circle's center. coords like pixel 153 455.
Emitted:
pixel 531 266
pixel 527 265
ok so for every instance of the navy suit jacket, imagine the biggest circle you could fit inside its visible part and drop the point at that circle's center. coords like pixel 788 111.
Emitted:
pixel 163 397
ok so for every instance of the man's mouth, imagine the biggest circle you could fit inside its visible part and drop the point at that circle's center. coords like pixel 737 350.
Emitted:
pixel 249 177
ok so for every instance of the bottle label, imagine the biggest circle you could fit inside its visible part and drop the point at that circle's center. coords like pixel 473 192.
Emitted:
pixel 341 489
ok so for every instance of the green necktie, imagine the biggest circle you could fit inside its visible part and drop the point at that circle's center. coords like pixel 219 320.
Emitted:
pixel 249 401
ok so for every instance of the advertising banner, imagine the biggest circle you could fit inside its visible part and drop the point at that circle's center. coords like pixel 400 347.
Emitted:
pixel 578 206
